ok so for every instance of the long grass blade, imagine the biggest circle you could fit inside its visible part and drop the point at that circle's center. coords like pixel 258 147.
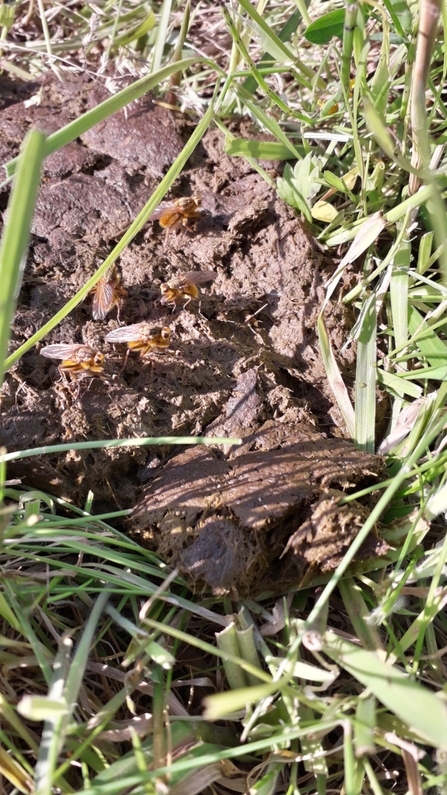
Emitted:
pixel 162 33
pixel 365 379
pixel 14 243
pixel 150 440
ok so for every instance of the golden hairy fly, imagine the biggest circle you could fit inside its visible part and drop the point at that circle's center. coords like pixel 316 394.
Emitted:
pixel 185 211
pixel 184 286
pixel 142 337
pixel 77 360
pixel 107 293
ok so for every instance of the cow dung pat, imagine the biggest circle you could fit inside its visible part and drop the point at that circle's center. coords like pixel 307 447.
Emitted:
pixel 267 518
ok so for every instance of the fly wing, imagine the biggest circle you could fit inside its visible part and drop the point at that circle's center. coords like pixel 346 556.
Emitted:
pixel 102 300
pixel 63 351
pixel 192 277
pixel 162 209
pixel 125 334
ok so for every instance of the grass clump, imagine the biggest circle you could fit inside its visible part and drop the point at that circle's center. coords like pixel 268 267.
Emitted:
pixel 106 657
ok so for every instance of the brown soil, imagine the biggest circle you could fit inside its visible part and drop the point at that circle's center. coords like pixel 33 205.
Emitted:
pixel 244 361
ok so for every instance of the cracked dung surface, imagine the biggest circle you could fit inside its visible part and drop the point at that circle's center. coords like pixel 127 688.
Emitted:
pixel 243 362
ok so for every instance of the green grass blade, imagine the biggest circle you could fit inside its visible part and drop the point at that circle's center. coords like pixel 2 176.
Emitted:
pixel 365 379
pixel 349 26
pixel 77 668
pixel 423 335
pixel 262 150
pixel 276 99
pixel 399 295
pixel 284 35
pixel 273 127
pixel 335 378
pixel 420 709
pixel 272 43
pixel 57 711
pixel 155 440
pixel 177 54
pixel 139 31
pixel 364 726
pixel 14 243
pixel 162 34
pixel 356 608
pixel 396 384
pixel 400 15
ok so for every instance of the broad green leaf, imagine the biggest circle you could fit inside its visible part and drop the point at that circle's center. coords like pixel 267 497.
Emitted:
pixel 401 15
pixel 324 28
pixel 299 185
pixel 323 211
pixel 343 184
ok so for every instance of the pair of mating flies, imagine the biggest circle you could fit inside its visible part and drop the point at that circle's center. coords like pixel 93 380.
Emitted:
pixel 82 360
